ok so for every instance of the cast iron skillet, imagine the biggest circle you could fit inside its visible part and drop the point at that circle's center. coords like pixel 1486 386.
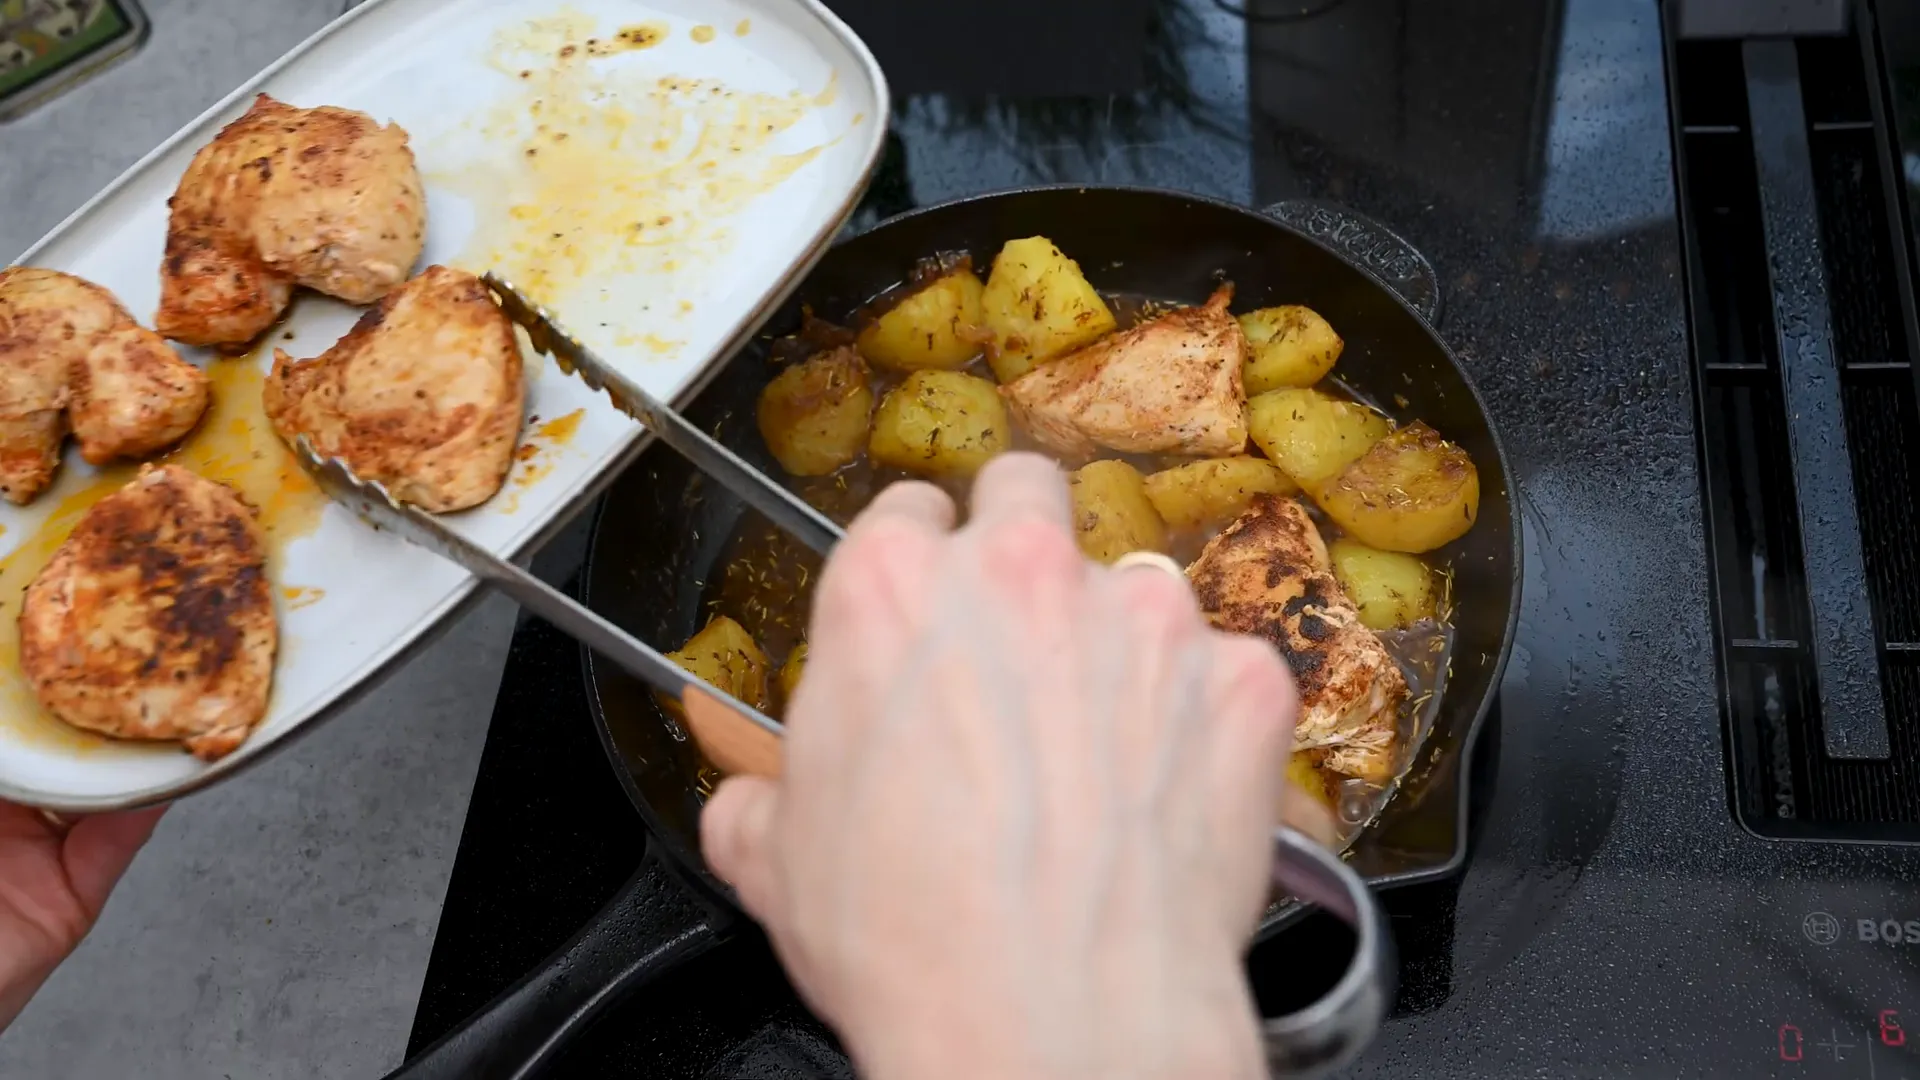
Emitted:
pixel 662 529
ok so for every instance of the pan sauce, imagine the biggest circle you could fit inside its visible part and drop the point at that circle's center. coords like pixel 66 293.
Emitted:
pixel 766 578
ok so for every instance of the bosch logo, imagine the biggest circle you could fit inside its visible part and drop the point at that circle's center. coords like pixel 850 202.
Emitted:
pixel 1821 928
pixel 1886 931
pixel 1825 928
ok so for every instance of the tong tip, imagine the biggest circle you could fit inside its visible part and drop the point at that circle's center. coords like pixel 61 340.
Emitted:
pixel 515 302
pixel 548 336
pixel 339 481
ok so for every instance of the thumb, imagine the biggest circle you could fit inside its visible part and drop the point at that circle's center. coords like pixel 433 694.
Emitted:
pixel 99 848
pixel 736 828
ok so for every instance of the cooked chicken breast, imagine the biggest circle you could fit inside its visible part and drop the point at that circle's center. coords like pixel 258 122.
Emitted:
pixel 424 395
pixel 1169 385
pixel 154 620
pixel 35 361
pixel 70 354
pixel 325 198
pixel 1268 574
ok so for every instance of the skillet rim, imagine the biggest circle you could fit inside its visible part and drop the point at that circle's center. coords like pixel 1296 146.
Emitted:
pixel 1277 917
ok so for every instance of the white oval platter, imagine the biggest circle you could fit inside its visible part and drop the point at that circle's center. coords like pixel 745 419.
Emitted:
pixel 661 173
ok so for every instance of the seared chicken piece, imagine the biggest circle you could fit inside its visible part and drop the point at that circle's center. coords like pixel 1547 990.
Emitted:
pixel 154 620
pixel 1170 385
pixel 424 395
pixel 36 329
pixel 325 198
pixel 69 353
pixel 1268 574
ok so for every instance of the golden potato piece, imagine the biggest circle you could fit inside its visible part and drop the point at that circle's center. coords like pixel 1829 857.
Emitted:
pixel 723 655
pixel 1039 306
pixel 1413 491
pixel 1392 590
pixel 1312 435
pixel 1291 345
pixel 939 326
pixel 940 423
pixel 814 414
pixel 791 671
pixel 1304 773
pixel 1307 802
pixel 1216 490
pixel 1111 512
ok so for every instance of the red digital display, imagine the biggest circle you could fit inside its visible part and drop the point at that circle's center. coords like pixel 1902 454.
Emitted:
pixel 1790 1043
pixel 1891 1033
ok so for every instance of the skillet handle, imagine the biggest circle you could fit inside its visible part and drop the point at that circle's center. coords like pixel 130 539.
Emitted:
pixel 1363 240
pixel 1331 1032
pixel 651 926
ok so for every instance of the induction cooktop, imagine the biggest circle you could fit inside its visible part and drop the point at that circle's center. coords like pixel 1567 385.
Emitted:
pixel 1677 250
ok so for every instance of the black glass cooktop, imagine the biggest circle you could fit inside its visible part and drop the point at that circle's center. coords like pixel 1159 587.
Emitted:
pixel 1675 873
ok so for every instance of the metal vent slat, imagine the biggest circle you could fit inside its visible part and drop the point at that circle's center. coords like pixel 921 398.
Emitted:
pixel 1845 656
pixel 1846 240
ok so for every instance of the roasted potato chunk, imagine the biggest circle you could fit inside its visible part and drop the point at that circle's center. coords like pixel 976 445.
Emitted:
pixel 813 415
pixel 940 423
pixel 1311 435
pixel 1307 802
pixel 939 326
pixel 1413 491
pixel 723 655
pixel 1303 772
pixel 791 671
pixel 1289 345
pixel 1392 590
pixel 1217 490
pixel 1039 306
pixel 1111 512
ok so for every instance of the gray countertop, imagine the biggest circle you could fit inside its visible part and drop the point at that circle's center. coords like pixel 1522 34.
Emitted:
pixel 278 925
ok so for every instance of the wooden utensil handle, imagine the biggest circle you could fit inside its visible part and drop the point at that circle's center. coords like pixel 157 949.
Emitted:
pixel 734 744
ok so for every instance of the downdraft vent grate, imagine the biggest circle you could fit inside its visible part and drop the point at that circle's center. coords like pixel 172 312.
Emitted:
pixel 1801 307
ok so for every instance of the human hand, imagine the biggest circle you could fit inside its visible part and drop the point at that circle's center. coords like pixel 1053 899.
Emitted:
pixel 54 879
pixel 1025 820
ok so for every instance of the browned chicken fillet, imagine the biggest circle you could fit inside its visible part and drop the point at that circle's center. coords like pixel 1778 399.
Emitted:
pixel 154 620
pixel 1268 574
pixel 325 198
pixel 70 354
pixel 1171 385
pixel 424 395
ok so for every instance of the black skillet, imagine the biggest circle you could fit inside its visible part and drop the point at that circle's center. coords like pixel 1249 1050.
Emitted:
pixel 663 529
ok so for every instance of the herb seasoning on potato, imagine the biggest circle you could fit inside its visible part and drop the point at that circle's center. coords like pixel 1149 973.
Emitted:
pixel 813 415
pixel 1412 491
pixel 1039 306
pixel 1290 345
pixel 940 326
pixel 725 656
pixel 1112 514
pixel 1214 491
pixel 940 423
pixel 1392 590
pixel 1312 435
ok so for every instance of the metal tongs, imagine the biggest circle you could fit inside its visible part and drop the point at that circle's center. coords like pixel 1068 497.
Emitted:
pixel 738 738
pixel 782 507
